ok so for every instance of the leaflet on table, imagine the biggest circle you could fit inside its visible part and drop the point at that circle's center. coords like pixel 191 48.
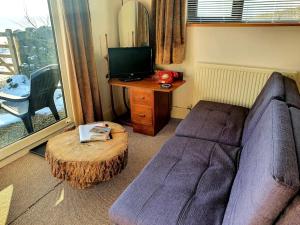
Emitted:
pixel 94 132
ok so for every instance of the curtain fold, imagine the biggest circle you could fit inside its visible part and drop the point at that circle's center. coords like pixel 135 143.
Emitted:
pixel 169 29
pixel 142 33
pixel 83 77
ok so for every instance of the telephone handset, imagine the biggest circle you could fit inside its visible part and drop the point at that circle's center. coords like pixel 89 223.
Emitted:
pixel 166 77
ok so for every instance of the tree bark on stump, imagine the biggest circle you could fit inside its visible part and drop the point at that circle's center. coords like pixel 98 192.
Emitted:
pixel 85 164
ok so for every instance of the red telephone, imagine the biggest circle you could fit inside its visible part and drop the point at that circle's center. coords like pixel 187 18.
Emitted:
pixel 166 77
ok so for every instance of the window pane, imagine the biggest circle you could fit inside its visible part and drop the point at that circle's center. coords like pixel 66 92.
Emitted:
pixel 214 8
pixel 271 11
pixel 28 67
pixel 246 11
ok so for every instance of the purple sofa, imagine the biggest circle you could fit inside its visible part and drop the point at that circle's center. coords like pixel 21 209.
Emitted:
pixel 225 165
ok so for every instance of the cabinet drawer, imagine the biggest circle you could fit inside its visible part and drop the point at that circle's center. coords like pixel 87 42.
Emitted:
pixel 141 96
pixel 141 114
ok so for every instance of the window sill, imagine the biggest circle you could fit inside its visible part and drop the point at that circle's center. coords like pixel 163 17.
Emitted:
pixel 241 24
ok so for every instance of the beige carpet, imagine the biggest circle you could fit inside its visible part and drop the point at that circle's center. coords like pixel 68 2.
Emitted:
pixel 38 198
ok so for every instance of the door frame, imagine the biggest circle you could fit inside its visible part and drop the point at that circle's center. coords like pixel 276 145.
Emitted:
pixel 21 147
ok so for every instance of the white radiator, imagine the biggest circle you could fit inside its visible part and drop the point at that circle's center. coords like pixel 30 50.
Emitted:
pixel 231 84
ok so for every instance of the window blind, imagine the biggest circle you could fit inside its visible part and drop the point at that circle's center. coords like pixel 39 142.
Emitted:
pixel 244 11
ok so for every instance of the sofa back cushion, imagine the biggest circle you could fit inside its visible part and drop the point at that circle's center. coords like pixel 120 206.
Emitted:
pixel 268 175
pixel 292 212
pixel 273 89
pixel 295 117
pixel 292 96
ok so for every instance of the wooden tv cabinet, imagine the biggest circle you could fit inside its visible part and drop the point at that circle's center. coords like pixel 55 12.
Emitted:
pixel 150 105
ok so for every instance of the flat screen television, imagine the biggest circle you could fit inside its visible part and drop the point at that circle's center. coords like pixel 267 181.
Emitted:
pixel 130 63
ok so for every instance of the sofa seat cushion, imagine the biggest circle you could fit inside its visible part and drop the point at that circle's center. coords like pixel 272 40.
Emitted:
pixel 187 182
pixel 214 121
pixel 268 175
pixel 292 96
pixel 273 89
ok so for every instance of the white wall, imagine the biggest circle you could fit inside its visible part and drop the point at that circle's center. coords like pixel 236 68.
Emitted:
pixel 104 19
pixel 267 47
pixel 277 47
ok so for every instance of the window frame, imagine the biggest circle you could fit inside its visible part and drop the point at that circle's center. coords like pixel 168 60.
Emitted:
pixel 229 21
pixel 21 147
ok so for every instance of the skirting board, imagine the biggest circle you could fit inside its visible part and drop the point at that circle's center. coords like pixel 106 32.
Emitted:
pixel 179 113
pixel 14 157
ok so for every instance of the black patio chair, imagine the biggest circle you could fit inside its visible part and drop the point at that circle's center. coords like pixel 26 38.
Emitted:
pixel 43 84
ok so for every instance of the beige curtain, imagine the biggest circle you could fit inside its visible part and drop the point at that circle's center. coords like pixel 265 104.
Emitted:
pixel 83 78
pixel 169 18
pixel 142 33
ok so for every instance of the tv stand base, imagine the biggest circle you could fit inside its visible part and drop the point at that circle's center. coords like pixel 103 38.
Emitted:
pixel 130 79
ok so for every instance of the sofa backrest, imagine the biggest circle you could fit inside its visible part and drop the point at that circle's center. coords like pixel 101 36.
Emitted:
pixel 292 212
pixel 268 175
pixel 295 118
pixel 292 96
pixel 273 89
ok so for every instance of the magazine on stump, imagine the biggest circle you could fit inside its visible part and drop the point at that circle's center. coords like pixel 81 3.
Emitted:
pixel 94 132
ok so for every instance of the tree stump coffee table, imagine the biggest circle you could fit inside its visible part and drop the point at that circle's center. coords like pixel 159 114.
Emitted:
pixel 85 164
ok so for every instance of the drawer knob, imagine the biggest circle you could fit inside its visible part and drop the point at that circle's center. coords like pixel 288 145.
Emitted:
pixel 141 115
pixel 143 98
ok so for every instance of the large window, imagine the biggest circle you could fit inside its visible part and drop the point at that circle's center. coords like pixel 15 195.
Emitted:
pixel 29 68
pixel 244 11
pixel 32 98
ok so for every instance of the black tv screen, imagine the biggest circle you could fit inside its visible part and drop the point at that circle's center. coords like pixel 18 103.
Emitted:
pixel 130 62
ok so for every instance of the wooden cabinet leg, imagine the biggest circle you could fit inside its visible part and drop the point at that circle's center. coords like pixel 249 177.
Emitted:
pixel 122 119
pixel 124 100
